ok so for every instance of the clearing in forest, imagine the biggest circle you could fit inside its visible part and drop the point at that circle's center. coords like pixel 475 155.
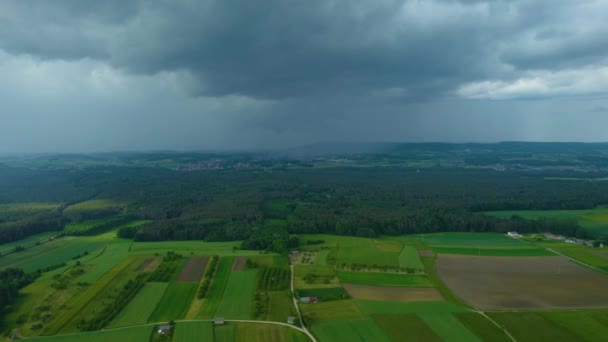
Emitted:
pixel 497 283
pixel 393 294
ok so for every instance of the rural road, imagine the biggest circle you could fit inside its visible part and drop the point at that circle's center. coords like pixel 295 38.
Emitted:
pixel 295 303
pixel 305 331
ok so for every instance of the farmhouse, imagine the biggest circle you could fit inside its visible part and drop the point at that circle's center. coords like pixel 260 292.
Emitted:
pixel 164 329
pixel 513 234
pixel 218 320
pixel 307 300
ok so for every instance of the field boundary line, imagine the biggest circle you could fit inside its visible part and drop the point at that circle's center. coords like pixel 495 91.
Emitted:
pixel 577 261
pixel 496 324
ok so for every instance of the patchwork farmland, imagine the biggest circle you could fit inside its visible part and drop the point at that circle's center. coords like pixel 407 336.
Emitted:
pixel 433 286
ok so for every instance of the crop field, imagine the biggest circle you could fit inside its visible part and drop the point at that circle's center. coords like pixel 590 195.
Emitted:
pixel 353 329
pixel 51 253
pixel 225 333
pixel 100 296
pixel 321 257
pixel 315 276
pixel 385 279
pixel 448 327
pixel 480 244
pixel 216 291
pixel 371 307
pixel 111 255
pixel 237 300
pixel 174 303
pixel 27 242
pixel 325 294
pixel 330 310
pixel 496 283
pixel 139 333
pixel 251 332
pixel 593 220
pixel 393 294
pixel 409 258
pixel 84 227
pixel 142 306
pixel 193 331
pixel 280 306
pixel 592 256
pixel 589 325
pixel 396 327
pixel 193 270
pixel 482 327
pixel 355 250
pixel 195 247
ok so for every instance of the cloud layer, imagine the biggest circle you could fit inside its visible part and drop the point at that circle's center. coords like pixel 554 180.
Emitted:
pixel 236 73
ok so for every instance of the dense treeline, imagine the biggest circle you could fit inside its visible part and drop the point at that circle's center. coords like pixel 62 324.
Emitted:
pixel 11 280
pixel 30 225
pixel 263 208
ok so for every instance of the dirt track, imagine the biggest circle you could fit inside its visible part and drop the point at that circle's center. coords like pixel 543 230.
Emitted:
pixel 193 270
pixel 239 264
pixel 503 283
pixel 149 265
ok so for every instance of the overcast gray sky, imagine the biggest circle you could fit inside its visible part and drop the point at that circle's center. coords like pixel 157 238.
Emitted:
pixel 130 75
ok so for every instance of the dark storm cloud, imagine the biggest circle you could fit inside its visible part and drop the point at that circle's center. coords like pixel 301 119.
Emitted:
pixel 238 73
pixel 278 49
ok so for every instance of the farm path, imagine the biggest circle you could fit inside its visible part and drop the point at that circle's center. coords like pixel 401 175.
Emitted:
pixel 295 303
pixel 496 324
pixel 303 330
pixel 576 261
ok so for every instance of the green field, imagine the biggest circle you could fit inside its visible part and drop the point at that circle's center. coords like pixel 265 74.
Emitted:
pixel 578 325
pixel 384 279
pixel 482 327
pixel 101 263
pixel 84 227
pixel 331 310
pixel 485 244
pixel 193 331
pixel 237 301
pixel 592 256
pixel 448 327
pixel 252 332
pixel 469 239
pixel 325 294
pixel 216 291
pixel 371 307
pixel 321 257
pixel 482 251
pixel 280 306
pixel 225 333
pixel 593 220
pixel 322 276
pixel 142 306
pixel 409 258
pixel 406 326
pixel 139 333
pixel 354 250
pixel 194 247
pixel 175 302
pixel 51 253
pixel 92 206
pixel 27 242
pixel 353 329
